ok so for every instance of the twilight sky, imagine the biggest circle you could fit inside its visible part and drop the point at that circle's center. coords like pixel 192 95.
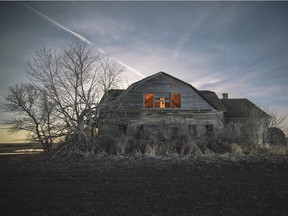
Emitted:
pixel 235 47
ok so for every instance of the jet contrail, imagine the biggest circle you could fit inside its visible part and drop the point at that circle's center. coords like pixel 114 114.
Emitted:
pixel 57 24
pixel 130 68
pixel 82 38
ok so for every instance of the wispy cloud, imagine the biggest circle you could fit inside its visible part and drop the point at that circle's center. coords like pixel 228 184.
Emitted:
pixel 206 81
pixel 108 28
pixel 58 25
pixel 185 37
pixel 82 38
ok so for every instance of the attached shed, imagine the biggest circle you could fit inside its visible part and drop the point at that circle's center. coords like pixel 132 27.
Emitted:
pixel 241 109
pixel 246 119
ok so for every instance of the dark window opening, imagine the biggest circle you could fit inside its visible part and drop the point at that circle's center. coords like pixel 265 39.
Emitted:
pixel 140 132
pixel 154 131
pixel 209 129
pixel 174 132
pixel 192 130
pixel 122 129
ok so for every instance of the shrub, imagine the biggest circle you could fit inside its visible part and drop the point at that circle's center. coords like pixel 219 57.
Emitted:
pixel 181 145
pixel 161 144
pixel 276 136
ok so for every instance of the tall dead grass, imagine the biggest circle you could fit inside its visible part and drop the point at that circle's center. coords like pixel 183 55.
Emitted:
pixel 182 146
pixel 163 145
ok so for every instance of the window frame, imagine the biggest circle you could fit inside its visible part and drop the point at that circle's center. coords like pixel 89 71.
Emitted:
pixel 144 101
pixel 161 102
pixel 122 128
pixel 178 98
pixel 209 129
pixel 192 130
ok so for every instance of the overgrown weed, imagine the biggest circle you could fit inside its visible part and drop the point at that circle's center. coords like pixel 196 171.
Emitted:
pixel 182 146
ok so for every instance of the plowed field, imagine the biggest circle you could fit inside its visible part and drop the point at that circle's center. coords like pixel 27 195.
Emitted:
pixel 35 185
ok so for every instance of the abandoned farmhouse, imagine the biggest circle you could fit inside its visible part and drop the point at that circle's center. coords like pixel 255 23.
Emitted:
pixel 164 103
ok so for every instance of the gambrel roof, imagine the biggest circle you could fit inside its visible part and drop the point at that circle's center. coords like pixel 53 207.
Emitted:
pixel 232 108
pixel 209 96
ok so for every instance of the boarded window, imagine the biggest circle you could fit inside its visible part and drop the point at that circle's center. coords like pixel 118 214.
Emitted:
pixel 148 100
pixel 176 100
pixel 209 129
pixel 192 130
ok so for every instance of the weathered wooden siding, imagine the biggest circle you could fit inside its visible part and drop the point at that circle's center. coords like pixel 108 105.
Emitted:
pixel 166 120
pixel 162 85
pixel 128 109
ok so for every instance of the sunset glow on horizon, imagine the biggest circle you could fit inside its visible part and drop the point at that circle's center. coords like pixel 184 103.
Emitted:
pixel 235 47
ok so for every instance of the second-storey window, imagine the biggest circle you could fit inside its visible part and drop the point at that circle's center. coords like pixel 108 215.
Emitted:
pixel 176 100
pixel 161 102
pixel 152 101
pixel 148 100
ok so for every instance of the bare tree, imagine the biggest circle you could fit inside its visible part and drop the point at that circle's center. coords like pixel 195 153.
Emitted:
pixel 110 75
pixel 74 80
pixel 274 134
pixel 248 127
pixel 277 119
pixel 35 114
pixel 254 127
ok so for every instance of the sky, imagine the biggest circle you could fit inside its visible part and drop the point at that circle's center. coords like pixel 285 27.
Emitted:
pixel 235 47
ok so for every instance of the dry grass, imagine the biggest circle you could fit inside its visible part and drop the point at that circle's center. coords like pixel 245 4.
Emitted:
pixel 162 146
pixel 278 150
pixel 157 147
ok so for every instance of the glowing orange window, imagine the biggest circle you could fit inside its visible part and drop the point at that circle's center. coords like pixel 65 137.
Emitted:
pixel 176 100
pixel 148 100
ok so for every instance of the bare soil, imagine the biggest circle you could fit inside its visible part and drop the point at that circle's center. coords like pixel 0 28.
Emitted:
pixel 250 185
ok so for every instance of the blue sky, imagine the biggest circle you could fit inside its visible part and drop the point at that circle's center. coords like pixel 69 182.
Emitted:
pixel 235 47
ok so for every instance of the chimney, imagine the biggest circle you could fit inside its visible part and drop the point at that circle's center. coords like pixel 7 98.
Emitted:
pixel 225 95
